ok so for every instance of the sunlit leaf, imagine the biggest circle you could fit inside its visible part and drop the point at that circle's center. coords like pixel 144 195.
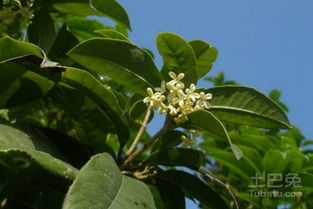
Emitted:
pixel 121 61
pixel 245 105
pixel 99 184
pixel 178 56
pixel 206 55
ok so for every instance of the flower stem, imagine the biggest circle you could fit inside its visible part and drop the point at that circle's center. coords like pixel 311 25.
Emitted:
pixel 168 125
pixel 143 148
pixel 140 132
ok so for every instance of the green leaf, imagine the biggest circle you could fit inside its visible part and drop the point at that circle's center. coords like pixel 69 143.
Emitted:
pixel 102 96
pixel 83 28
pixel 206 55
pixel 110 33
pixel 41 31
pixel 177 157
pixel 17 49
pixel 178 56
pixel 207 121
pixel 245 105
pixel 107 8
pixel 195 188
pixel 295 158
pixel 99 184
pixel 168 140
pixel 91 122
pixel 170 195
pixel 122 61
pixel 63 42
pixel 111 9
pixel 253 158
pixel 19 86
pixel 274 161
pixel 241 167
pixel 74 7
pixel 19 150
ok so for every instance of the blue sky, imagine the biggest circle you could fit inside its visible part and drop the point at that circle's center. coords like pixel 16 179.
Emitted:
pixel 265 44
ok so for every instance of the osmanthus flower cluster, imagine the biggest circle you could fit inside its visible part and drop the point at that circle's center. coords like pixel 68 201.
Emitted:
pixel 174 99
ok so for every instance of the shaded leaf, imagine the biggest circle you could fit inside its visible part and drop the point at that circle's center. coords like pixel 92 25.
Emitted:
pixel 20 151
pixel 195 188
pixel 171 196
pixel 102 96
pixel 64 41
pixel 177 157
pixel 168 140
pixel 16 82
pixel 41 31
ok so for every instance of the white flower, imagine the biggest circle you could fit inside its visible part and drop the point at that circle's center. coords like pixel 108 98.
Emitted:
pixel 190 93
pixel 154 99
pixel 162 108
pixel 176 79
pixel 175 92
pixel 202 102
pixel 172 98
pixel 161 89
pixel 172 110
pixel 186 109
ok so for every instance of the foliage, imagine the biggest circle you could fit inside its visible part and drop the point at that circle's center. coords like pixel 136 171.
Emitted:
pixel 72 93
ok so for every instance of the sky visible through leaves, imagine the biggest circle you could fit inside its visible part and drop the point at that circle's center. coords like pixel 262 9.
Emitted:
pixel 264 44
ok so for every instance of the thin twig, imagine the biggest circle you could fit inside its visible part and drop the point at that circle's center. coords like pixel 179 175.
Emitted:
pixel 143 148
pixel 140 132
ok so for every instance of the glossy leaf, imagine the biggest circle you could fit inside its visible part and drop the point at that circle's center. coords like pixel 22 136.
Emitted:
pixel 122 61
pixel 107 8
pixel 18 151
pixel 245 105
pixel 178 56
pixel 206 55
pixel 112 9
pixel 17 49
pixel 195 188
pixel 177 157
pixel 41 31
pixel 83 28
pixel 64 41
pixel 99 184
pixel 74 7
pixel 110 33
pixel 16 82
pixel 168 140
pixel 102 96
pixel 208 122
